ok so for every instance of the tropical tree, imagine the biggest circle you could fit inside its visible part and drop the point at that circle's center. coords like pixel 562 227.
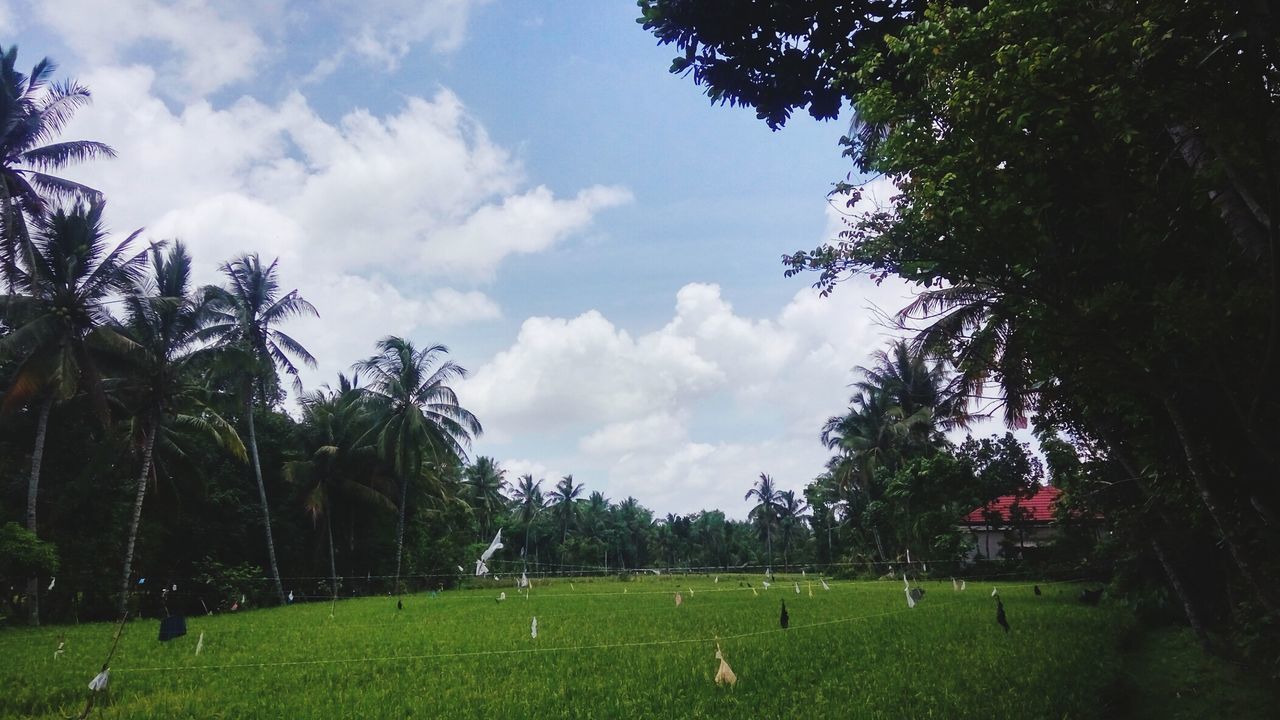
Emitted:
pixel 418 415
pixel 564 499
pixel 340 467
pixel 791 517
pixel 765 512
pixel 61 284
pixel 527 494
pixel 484 482
pixel 33 112
pixel 161 357
pixel 245 316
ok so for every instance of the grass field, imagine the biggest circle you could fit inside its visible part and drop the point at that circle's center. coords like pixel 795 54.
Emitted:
pixel 604 649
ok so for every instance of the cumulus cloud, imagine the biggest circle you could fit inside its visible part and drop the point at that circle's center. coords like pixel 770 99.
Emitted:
pixel 403 216
pixel 688 415
pixel 201 46
pixel 207 45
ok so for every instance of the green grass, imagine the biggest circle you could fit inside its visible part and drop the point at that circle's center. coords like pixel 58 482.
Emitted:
pixel 604 649
pixel 1170 678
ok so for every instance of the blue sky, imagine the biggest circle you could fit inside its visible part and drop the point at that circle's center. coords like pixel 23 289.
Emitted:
pixel 523 182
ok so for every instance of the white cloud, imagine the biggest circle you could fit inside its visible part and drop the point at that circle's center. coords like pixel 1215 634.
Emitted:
pixel 401 217
pixel 200 46
pixel 386 30
pixel 208 45
pixel 656 415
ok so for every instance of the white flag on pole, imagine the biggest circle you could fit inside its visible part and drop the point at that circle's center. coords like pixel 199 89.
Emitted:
pixel 494 546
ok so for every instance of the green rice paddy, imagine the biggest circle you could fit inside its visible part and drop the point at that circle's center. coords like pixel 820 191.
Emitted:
pixel 605 649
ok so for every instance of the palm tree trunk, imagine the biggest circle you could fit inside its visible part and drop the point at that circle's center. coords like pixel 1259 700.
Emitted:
pixel 333 565
pixel 1180 588
pixel 33 488
pixel 404 492
pixel 1226 525
pixel 149 442
pixel 262 495
pixel 768 541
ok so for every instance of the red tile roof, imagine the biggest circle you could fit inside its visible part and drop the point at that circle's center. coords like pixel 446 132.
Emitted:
pixel 1037 508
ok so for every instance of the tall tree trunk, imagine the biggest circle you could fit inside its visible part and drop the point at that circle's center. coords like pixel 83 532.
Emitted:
pixel 262 496
pixel 33 489
pixel 333 565
pixel 148 445
pixel 1244 217
pixel 404 493
pixel 1226 525
pixel 1179 587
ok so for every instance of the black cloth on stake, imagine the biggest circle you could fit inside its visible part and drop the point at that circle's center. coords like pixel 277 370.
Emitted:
pixel 172 627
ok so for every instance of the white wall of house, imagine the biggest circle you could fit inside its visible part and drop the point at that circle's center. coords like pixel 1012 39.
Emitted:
pixel 988 540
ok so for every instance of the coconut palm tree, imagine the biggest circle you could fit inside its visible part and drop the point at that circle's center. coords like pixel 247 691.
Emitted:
pixel 245 316
pixel 564 499
pixel 791 517
pixel 339 467
pixel 33 112
pixel 527 495
pixel 60 284
pixel 160 353
pixel 765 512
pixel 418 414
pixel 485 481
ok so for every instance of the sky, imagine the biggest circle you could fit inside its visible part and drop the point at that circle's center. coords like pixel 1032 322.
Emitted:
pixel 523 182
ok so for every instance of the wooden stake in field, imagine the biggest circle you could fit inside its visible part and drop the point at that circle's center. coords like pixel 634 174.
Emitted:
pixel 679 599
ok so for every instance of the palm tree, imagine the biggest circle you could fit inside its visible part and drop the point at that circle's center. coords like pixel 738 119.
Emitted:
pixel 765 512
pixel 61 283
pixel 244 316
pixel 912 384
pixel 564 498
pixel 527 494
pixel 418 413
pixel 791 515
pixel 485 481
pixel 339 467
pixel 161 352
pixel 33 111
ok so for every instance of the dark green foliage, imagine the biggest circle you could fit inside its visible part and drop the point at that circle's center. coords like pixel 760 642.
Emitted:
pixel 1087 195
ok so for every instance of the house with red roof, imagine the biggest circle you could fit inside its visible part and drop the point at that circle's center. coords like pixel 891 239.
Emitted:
pixel 1009 524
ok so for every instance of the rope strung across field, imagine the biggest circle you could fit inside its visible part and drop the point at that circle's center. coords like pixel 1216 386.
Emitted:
pixel 515 651
pixel 535 650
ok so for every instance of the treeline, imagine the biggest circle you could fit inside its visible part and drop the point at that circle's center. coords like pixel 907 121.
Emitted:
pixel 896 484
pixel 1086 202
pixel 119 379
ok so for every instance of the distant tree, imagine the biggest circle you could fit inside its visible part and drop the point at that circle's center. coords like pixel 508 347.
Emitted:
pixel 485 482
pixel 791 517
pixel 159 354
pixel 418 414
pixel 766 510
pixel 244 317
pixel 564 498
pixel 340 465
pixel 62 281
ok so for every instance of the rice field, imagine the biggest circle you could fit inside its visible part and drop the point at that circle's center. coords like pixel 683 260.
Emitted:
pixel 604 649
